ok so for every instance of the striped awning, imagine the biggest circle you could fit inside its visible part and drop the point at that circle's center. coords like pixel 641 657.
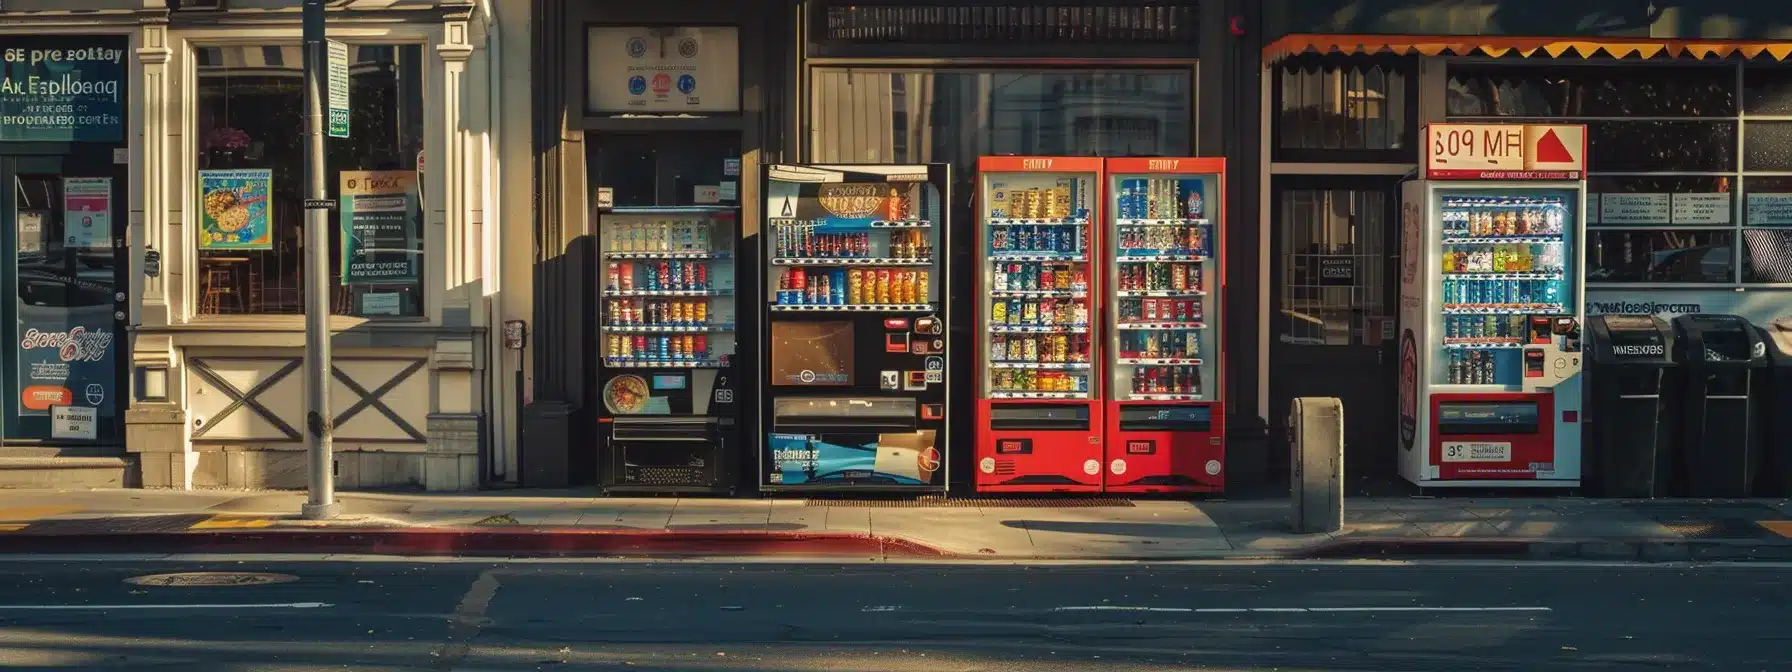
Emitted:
pixel 1497 46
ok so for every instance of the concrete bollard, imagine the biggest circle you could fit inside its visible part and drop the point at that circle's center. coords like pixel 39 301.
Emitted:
pixel 1316 439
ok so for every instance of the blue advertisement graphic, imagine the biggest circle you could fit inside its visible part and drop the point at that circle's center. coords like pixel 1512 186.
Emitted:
pixel 62 88
pixel 687 84
pixel 799 459
pixel 637 85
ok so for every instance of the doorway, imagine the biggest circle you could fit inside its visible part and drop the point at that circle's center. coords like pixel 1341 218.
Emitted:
pixel 1334 298
pixel 64 304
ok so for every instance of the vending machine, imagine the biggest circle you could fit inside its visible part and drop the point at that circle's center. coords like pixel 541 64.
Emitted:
pixel 1490 308
pixel 1039 412
pixel 667 326
pixel 855 395
pixel 1161 317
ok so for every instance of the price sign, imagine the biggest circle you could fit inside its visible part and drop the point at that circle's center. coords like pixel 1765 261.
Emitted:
pixel 1505 151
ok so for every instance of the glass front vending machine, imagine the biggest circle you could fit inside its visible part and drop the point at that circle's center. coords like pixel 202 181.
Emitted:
pixel 855 394
pixel 1490 308
pixel 1038 412
pixel 1161 312
pixel 667 330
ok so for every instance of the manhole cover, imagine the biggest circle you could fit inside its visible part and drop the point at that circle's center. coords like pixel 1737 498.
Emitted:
pixel 210 579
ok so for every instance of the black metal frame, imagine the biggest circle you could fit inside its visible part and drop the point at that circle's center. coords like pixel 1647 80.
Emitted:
pixel 1063 50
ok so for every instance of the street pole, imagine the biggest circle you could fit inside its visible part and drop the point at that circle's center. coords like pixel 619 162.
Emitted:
pixel 321 502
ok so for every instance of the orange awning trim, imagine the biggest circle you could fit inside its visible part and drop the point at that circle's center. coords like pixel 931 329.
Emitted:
pixel 1446 45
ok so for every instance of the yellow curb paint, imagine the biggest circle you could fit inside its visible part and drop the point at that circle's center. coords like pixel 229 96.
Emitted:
pixel 228 523
pixel 27 513
pixel 1779 527
pixel 13 527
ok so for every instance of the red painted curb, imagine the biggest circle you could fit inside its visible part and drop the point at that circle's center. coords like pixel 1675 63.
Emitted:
pixel 478 542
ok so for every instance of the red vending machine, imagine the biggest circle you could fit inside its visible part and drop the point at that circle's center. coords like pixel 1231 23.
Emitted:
pixel 1038 394
pixel 1161 315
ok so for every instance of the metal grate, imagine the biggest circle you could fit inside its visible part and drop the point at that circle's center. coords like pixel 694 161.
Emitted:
pixel 978 502
pixel 667 476
pixel 1711 521
pixel 1035 22
pixel 120 524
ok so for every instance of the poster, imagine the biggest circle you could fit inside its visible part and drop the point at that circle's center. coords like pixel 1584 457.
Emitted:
pixel 1635 208
pixel 87 212
pixel 1769 209
pixel 63 88
pixel 910 458
pixel 236 209
pixel 653 69
pixel 379 233
pixel 65 358
pixel 31 231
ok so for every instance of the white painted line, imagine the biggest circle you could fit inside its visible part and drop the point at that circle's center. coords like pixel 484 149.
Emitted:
pixel 1290 610
pixel 880 608
pixel 108 607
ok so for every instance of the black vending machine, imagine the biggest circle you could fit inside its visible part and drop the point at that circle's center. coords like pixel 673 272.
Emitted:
pixel 668 336
pixel 854 395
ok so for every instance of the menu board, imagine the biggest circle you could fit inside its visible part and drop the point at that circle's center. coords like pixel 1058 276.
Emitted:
pixel 1701 209
pixel 1635 208
pixel 1769 209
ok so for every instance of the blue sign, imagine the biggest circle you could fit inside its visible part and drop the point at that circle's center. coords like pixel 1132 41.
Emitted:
pixel 687 84
pixel 63 88
pixel 637 85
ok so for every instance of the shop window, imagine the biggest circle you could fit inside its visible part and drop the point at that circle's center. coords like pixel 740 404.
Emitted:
pixel 955 116
pixel 1768 255
pixel 1337 103
pixel 1661 146
pixel 248 218
pixel 1767 90
pixel 1591 91
pixel 1661 256
pixel 1331 228
pixel 1767 145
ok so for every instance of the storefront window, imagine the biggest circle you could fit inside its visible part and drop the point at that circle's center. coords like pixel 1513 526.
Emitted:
pixel 1670 147
pixel 906 116
pixel 1342 103
pixel 249 215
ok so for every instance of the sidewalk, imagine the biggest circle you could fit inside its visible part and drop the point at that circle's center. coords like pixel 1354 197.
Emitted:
pixel 576 523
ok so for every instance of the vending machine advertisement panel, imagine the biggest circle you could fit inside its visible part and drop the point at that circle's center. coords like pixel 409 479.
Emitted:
pixel 855 395
pixel 668 336
pixel 1039 426
pixel 1490 306
pixel 1161 316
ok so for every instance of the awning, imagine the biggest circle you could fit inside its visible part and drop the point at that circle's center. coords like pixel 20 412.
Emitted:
pixel 1496 46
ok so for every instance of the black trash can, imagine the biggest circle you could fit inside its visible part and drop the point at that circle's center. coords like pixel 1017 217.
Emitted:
pixel 1776 393
pixel 1628 433
pixel 1721 446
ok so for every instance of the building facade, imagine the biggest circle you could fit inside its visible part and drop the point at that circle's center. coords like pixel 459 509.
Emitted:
pixel 183 326
pixel 1683 105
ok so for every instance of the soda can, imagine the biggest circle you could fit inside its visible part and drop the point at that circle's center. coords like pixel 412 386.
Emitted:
pixel 1036 203
pixel 613 346
pixel 700 312
pixel 1149 307
pixel 675 348
pixel 998 312
pixel 665 275
pixel 883 285
pixel 923 287
pixel 702 276
pixel 1081 280
pixel 627 346
pixel 1060 348
pixel 1014 311
pixel 837 288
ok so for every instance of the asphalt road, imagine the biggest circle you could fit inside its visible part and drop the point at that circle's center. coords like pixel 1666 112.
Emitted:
pixel 680 617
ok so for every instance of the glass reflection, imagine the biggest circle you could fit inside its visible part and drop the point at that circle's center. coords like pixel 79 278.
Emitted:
pixel 1660 256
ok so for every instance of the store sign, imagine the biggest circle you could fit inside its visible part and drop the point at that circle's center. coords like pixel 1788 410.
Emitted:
pixel 1701 209
pixel 1760 306
pixel 336 74
pixel 1337 271
pixel 62 88
pixel 1505 151
pixel 658 69
pixel 1635 208
pixel 380 245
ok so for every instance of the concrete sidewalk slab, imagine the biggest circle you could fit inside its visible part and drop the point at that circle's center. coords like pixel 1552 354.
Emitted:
pixel 1012 529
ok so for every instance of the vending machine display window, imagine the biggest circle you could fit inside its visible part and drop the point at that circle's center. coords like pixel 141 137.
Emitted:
pixel 1504 257
pixel 855 395
pixel 1160 273
pixel 1038 264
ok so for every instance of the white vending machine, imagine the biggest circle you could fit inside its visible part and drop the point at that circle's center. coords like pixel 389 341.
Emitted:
pixel 1491 306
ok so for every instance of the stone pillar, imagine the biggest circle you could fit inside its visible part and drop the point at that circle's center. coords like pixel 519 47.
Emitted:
pixel 451 207
pixel 452 462
pixel 156 431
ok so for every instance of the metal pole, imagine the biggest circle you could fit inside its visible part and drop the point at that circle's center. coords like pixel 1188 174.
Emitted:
pixel 321 504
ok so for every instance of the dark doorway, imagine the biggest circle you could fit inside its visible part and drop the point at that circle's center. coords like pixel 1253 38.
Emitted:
pixel 1334 298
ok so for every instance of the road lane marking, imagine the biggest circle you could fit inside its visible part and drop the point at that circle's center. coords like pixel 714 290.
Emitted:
pixel 1295 610
pixel 109 607
pixel 29 513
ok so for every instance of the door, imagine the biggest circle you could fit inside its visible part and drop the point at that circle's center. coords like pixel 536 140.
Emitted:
pixel 1334 296
pixel 61 236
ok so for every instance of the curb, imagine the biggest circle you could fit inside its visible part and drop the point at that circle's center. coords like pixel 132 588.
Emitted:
pixel 1630 550
pixel 541 542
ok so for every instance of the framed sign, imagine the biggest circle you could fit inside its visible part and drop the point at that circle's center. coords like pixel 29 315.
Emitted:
pixel 631 69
